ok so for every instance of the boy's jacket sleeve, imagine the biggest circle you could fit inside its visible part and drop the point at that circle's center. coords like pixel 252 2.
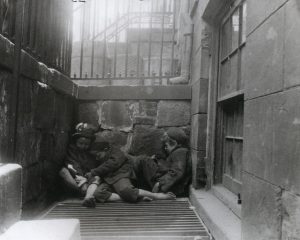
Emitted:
pixel 176 171
pixel 113 163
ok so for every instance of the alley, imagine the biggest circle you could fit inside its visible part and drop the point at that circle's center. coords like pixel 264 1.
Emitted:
pixel 224 73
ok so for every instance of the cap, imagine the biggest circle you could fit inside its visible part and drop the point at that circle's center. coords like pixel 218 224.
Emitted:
pixel 84 130
pixel 177 134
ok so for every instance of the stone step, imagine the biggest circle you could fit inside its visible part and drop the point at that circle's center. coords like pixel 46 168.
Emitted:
pixel 10 195
pixel 222 223
pixel 59 229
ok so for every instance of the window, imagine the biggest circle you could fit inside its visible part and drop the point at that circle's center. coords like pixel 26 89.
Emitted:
pixel 230 104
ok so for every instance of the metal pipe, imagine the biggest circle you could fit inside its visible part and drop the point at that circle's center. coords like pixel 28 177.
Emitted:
pixel 150 39
pixel 14 97
pixel 139 44
pixel 93 39
pixel 173 38
pixel 82 41
pixel 116 39
pixel 104 43
pixel 127 39
pixel 33 25
pixel 162 40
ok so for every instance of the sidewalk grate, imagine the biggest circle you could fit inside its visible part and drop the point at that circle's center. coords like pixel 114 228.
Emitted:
pixel 144 220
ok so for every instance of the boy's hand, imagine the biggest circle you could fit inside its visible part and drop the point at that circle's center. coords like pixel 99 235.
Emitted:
pixel 70 167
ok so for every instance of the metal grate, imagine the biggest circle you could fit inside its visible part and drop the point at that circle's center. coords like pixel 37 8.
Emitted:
pixel 144 220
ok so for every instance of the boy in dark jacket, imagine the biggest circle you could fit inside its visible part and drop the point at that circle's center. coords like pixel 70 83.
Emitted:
pixel 116 175
pixel 79 161
pixel 171 174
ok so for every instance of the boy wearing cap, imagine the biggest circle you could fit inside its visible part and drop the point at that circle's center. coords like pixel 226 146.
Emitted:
pixel 117 174
pixel 79 161
pixel 171 174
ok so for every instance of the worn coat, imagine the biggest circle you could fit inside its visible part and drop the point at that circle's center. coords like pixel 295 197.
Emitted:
pixel 114 167
pixel 82 161
pixel 173 173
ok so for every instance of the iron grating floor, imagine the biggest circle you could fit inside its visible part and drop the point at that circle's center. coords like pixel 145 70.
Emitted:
pixel 167 219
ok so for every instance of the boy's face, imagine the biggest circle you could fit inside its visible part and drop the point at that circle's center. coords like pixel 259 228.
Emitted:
pixel 83 143
pixel 169 146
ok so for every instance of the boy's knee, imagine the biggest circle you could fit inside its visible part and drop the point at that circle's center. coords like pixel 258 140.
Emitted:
pixel 102 193
pixel 129 194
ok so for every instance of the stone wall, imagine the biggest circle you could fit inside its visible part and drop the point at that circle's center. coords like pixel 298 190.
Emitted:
pixel 44 119
pixel 271 182
pixel 270 72
pixel 136 125
pixel 35 122
pixel 199 82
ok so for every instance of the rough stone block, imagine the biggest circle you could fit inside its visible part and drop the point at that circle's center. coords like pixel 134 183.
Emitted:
pixel 179 92
pixel 30 66
pixel 44 111
pixel 271 133
pixel 291 216
pixel 257 13
pixel 64 112
pixel 28 147
pixel 199 131
pixel 173 113
pixel 31 183
pixel 292 44
pixel 113 137
pixel 6 52
pixel 60 142
pixel 264 58
pixel 196 62
pixel 10 195
pixel 144 120
pixel 146 140
pixel 148 108
pixel 28 103
pixel 58 229
pixel 118 114
pixel 200 96
pixel 89 112
pixel 198 168
pixel 261 209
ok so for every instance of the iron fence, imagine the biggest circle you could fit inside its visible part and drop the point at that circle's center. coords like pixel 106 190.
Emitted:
pixel 46 25
pixel 116 40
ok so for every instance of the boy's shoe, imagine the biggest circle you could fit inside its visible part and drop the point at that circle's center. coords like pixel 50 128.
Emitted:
pixel 89 202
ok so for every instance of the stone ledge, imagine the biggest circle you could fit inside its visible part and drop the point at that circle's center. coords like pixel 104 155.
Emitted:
pixel 62 229
pixel 35 70
pixel 10 195
pixel 222 223
pixel 179 92
pixel 228 198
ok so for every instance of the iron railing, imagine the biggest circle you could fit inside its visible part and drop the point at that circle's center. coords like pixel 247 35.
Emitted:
pixel 116 40
pixel 46 25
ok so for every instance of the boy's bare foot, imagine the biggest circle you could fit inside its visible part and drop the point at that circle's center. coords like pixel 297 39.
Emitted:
pixel 147 199
pixel 89 202
pixel 164 196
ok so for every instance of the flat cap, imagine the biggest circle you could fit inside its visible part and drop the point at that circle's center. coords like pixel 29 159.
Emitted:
pixel 177 134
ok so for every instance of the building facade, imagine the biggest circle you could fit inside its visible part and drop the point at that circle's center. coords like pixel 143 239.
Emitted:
pixel 246 104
